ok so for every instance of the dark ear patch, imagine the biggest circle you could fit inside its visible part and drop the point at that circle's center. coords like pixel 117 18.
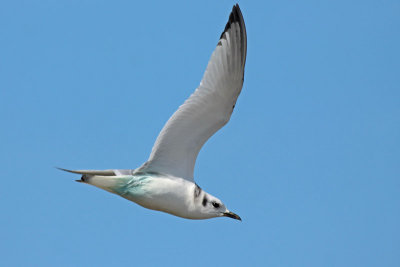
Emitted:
pixel 204 201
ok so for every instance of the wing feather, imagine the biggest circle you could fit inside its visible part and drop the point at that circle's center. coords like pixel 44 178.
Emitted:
pixel 208 109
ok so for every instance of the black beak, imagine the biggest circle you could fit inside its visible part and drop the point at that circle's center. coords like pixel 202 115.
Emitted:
pixel 232 215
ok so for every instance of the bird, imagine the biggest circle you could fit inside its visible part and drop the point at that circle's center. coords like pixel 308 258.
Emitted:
pixel 165 182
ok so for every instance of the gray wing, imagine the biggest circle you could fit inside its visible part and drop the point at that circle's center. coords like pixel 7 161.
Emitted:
pixel 208 109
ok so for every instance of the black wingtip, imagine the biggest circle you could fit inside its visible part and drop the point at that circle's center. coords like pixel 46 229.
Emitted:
pixel 235 16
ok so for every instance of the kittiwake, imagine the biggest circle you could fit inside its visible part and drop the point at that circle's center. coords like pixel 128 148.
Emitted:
pixel 165 182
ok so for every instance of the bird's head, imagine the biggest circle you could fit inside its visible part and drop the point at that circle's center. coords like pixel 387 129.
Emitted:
pixel 213 207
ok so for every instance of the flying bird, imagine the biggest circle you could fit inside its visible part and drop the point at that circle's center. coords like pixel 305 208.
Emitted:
pixel 165 181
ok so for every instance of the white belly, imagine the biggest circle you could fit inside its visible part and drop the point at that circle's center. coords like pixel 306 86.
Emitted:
pixel 167 194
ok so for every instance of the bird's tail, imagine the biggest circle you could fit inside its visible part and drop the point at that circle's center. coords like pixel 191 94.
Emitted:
pixel 90 172
pixel 104 179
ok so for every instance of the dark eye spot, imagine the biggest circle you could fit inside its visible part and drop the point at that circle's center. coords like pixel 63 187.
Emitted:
pixel 215 204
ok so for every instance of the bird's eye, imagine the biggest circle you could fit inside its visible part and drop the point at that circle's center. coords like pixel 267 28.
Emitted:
pixel 215 204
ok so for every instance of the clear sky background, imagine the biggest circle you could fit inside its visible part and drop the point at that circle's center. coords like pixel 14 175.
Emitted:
pixel 310 159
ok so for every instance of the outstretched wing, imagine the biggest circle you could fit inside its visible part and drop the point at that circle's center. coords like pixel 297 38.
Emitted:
pixel 207 109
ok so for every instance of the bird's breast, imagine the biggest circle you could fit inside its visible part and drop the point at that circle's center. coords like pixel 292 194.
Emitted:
pixel 160 193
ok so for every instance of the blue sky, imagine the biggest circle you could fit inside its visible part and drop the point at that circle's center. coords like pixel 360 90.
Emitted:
pixel 310 159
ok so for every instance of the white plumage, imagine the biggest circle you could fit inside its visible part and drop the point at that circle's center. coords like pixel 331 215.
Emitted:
pixel 165 182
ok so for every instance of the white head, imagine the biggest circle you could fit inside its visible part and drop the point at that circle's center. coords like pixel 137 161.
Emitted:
pixel 210 206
